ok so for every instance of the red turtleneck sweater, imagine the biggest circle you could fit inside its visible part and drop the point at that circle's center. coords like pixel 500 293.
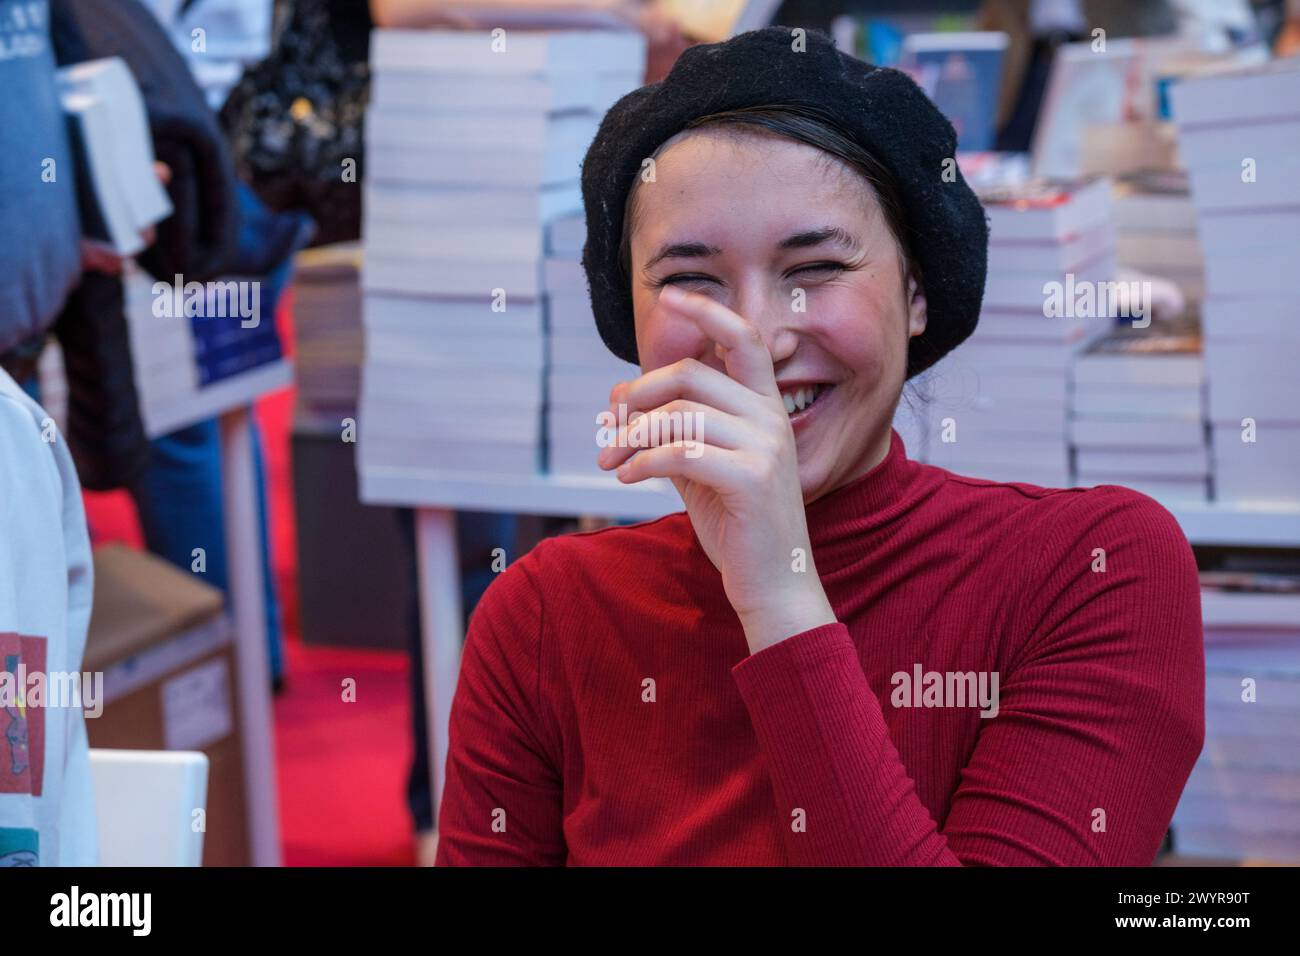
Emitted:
pixel 609 711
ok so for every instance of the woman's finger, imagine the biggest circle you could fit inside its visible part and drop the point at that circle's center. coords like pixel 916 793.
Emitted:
pixel 679 420
pixel 688 379
pixel 747 358
pixel 718 468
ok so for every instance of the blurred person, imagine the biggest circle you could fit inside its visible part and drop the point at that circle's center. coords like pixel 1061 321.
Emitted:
pixel 1287 41
pixel 47 812
pixel 836 655
pixel 217 229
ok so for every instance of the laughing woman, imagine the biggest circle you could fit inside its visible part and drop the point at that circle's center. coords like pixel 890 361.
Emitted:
pixel 835 655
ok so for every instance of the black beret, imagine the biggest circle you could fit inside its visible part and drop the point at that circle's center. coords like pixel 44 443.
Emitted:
pixel 882 109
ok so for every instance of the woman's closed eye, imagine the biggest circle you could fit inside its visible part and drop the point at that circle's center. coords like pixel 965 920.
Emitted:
pixel 815 270
pixel 680 279
pixel 822 270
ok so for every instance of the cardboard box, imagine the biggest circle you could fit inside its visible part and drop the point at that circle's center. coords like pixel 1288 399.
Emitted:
pixel 163 642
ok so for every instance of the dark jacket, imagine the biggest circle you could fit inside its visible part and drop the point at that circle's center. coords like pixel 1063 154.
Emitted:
pixel 105 431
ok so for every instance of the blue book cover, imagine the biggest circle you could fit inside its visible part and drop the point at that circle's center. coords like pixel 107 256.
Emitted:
pixel 962 75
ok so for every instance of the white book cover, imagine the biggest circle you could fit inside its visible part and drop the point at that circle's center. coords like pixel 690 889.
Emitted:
pixel 443 277
pixel 566 235
pixel 1259 472
pixel 1008 448
pixel 565 275
pixel 585 349
pixel 1138 401
pixel 954 376
pixel 1253 380
pixel 453 167
pixel 1233 187
pixel 449 458
pixel 387 128
pixel 517 315
pixel 1231 231
pixel 997 325
pixel 1129 369
pixel 465 423
pixel 509 94
pixel 1047 211
pixel 477 349
pixel 507 51
pixel 1230 97
pixel 1152 462
pixel 413 204
pixel 1262 270
pixel 1011 357
pixel 571 318
pixel 1260 319
pixel 588 386
pixel 1057 292
pixel 1049 255
pixel 425 386
pixel 467 241
pixel 104 99
pixel 1209 147
pixel 1188 433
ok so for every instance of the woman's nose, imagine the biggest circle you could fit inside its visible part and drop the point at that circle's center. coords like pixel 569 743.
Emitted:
pixel 775 316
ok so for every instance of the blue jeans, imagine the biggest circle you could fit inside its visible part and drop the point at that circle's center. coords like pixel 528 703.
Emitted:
pixel 180 504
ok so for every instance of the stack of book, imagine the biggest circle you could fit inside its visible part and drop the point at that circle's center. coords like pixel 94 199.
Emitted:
pixel 474 143
pixel 183 340
pixel 113 149
pixel 1238 132
pixel 1155 225
pixel 1139 412
pixel 1242 800
pixel 998 403
pixel 162 346
pixel 327 333
pixel 582 370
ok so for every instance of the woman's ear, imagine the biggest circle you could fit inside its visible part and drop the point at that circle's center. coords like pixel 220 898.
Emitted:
pixel 916 315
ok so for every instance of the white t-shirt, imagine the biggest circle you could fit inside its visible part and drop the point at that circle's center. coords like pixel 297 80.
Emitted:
pixel 47 808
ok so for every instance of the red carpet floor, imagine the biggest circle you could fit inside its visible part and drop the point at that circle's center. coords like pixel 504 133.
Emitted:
pixel 341 766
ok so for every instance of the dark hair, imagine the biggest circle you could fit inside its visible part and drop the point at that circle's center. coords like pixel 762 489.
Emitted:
pixel 810 125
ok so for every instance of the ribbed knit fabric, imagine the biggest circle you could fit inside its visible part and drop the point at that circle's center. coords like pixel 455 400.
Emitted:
pixel 608 711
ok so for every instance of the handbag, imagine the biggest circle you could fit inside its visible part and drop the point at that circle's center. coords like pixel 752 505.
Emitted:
pixel 295 120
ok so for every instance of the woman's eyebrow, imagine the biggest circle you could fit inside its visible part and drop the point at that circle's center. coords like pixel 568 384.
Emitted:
pixel 834 235
pixel 815 237
pixel 682 250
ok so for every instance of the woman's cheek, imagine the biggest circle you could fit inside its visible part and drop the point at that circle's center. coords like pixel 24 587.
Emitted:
pixel 856 338
pixel 663 338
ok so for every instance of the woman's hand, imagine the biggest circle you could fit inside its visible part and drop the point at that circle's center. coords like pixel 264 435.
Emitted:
pixel 726 443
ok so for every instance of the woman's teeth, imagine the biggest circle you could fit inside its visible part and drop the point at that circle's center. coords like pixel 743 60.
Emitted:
pixel 798 399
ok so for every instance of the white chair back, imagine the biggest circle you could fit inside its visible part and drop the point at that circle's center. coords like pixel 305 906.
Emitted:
pixel 146 803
